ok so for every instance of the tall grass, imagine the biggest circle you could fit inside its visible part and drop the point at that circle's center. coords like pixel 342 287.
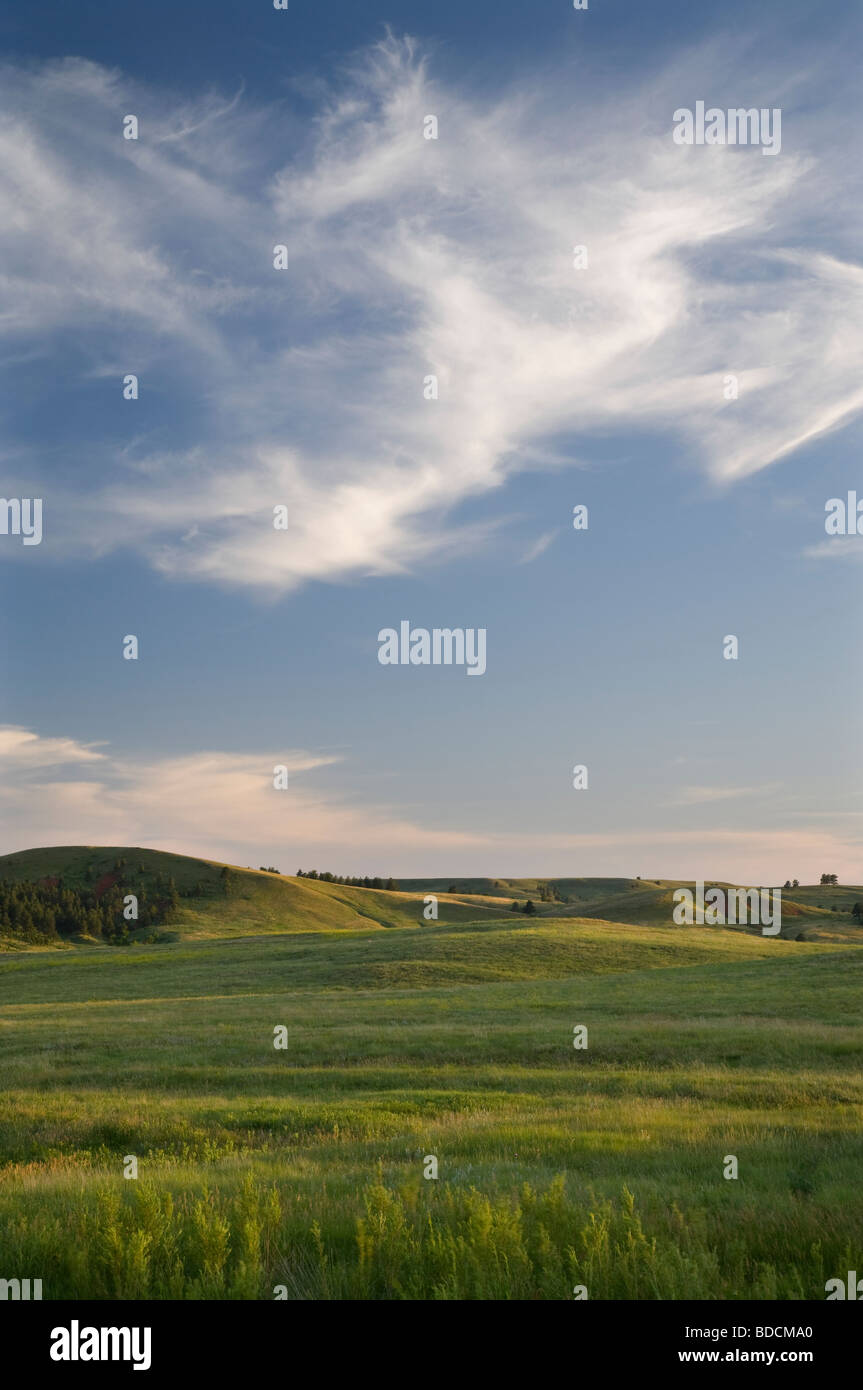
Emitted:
pixel 416 1241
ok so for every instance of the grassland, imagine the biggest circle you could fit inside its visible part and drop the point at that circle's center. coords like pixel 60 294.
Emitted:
pixel 820 912
pixel 302 1169
pixel 252 901
pixel 258 902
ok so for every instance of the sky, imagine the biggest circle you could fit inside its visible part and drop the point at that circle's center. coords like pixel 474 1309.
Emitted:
pixel 692 375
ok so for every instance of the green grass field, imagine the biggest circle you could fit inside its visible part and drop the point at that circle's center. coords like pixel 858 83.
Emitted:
pixel 302 1169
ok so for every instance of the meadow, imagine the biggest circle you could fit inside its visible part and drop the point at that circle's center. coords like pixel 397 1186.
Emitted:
pixel 299 1172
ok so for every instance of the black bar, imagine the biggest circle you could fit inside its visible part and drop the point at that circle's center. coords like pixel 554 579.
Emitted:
pixel 266 1338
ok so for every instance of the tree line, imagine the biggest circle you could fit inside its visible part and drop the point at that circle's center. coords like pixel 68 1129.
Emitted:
pixel 389 884
pixel 50 910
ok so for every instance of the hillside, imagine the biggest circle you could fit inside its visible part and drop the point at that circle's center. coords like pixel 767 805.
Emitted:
pixel 826 911
pixel 218 900
pixel 241 903
pixel 420 958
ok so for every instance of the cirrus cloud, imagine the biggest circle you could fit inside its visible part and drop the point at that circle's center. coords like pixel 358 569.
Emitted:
pixel 411 258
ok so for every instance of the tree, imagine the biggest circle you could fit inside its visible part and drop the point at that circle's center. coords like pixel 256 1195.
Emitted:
pixel 787 883
pixel 452 888
pixel 857 911
pixel 829 879
pixel 528 908
pixel 514 907
pixel 796 883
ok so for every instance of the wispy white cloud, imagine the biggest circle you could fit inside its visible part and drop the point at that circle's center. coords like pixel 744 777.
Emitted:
pixel 215 804
pixel 836 548
pixel 223 805
pixel 410 258
pixel 538 547
pixel 22 749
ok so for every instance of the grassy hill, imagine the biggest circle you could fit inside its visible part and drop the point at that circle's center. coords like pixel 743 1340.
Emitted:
pixel 251 902
pixel 418 957
pixel 579 890
pixel 247 902
pixel 821 913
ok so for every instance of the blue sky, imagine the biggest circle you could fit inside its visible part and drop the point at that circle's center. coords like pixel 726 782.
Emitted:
pixel 557 386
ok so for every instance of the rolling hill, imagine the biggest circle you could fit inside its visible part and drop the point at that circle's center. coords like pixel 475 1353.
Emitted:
pixel 219 900
pixel 227 900
pixel 826 911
